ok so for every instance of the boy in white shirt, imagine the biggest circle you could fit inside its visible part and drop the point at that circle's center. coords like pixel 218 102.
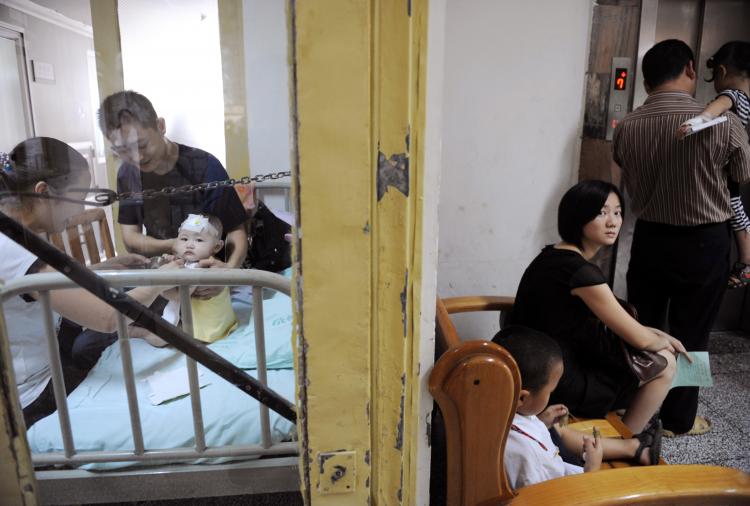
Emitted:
pixel 531 456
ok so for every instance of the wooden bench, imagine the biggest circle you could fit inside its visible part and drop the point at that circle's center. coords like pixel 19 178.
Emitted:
pixel 476 386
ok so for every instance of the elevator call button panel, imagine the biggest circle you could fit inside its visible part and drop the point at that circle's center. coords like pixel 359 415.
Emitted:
pixel 619 93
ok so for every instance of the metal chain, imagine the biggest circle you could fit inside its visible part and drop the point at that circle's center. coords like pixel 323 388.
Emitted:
pixel 106 197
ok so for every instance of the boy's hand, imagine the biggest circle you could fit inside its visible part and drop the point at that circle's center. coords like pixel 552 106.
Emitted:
pixel 593 452
pixel 552 414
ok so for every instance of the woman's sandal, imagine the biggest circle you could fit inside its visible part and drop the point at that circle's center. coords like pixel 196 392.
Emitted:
pixel 651 439
pixel 739 277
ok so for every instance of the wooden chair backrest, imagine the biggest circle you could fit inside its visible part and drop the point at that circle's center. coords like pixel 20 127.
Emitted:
pixel 476 385
pixel 85 236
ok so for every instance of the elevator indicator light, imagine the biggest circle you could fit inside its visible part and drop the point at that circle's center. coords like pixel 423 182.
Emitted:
pixel 621 79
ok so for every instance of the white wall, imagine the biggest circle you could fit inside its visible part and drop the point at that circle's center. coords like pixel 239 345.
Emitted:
pixel 512 119
pixel 267 84
pixel 171 54
pixel 61 108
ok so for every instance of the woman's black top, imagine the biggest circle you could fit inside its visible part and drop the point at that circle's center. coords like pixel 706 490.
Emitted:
pixel 593 382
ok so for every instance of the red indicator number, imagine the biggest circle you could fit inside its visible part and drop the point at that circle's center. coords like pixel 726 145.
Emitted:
pixel 621 79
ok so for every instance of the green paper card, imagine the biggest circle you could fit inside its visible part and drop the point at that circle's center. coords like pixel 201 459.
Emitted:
pixel 697 374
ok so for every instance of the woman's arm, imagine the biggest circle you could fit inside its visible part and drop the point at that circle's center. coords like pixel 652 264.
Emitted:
pixel 602 302
pixel 82 307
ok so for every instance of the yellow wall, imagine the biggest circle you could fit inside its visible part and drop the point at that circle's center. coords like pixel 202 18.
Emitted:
pixel 233 78
pixel 110 77
pixel 360 91
pixel 17 482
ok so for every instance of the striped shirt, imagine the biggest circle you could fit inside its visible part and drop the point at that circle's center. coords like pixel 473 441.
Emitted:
pixel 740 104
pixel 679 182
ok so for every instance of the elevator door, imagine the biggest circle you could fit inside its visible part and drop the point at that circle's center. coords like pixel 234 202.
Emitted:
pixel 704 25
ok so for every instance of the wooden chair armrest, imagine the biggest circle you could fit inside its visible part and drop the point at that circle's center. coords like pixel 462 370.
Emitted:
pixel 679 484
pixel 478 303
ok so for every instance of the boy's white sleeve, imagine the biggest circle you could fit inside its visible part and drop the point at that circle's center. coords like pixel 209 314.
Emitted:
pixel 522 464
pixel 572 469
pixel 527 464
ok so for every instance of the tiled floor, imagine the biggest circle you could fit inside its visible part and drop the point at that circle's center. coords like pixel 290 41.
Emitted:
pixel 726 404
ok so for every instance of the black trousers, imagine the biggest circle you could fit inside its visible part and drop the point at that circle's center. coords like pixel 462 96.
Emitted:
pixel 678 275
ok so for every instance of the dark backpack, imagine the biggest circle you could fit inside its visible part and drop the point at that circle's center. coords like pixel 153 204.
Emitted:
pixel 267 249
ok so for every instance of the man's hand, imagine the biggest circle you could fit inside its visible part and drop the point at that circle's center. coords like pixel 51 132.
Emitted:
pixel 127 261
pixel 208 292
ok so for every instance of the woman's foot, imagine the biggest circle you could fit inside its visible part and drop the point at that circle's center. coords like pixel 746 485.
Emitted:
pixel 648 452
pixel 701 425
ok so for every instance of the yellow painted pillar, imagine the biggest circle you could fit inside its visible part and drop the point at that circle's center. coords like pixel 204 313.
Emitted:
pixel 233 78
pixel 17 482
pixel 359 110
pixel 106 25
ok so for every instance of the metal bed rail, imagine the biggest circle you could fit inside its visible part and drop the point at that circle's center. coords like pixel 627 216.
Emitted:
pixel 184 279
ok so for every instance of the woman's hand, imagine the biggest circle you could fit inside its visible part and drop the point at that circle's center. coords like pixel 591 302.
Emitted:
pixel 552 414
pixel 660 341
pixel 127 261
pixel 664 341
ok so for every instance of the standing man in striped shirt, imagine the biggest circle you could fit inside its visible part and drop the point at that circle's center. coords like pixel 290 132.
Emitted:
pixel 680 254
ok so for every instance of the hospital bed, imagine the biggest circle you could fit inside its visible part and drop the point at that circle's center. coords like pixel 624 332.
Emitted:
pixel 107 442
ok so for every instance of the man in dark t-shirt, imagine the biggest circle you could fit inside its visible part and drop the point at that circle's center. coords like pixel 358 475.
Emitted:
pixel 151 162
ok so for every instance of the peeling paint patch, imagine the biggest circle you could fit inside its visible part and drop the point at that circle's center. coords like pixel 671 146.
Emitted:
pixel 403 300
pixel 394 172
pixel 367 457
pixel 399 494
pixel 400 426
pixel 429 433
pixel 366 228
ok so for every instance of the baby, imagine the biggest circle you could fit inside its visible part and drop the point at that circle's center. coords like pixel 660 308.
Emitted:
pixel 198 238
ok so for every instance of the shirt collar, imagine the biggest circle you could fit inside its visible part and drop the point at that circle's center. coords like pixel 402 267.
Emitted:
pixel 659 96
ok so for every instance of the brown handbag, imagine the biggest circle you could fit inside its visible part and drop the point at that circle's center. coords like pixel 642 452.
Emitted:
pixel 646 365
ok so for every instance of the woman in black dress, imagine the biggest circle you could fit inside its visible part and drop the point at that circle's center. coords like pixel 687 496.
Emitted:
pixel 562 293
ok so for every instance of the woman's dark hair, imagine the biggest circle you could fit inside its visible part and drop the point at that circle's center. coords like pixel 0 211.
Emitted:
pixel 41 159
pixel 735 56
pixel 581 204
pixel 665 61
pixel 534 352
pixel 125 106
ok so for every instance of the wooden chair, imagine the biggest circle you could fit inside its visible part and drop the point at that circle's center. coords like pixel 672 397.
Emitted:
pixel 85 236
pixel 476 385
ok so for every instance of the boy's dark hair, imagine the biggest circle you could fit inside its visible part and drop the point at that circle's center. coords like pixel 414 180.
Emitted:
pixel 665 61
pixel 42 159
pixel 734 55
pixel 580 205
pixel 534 352
pixel 123 107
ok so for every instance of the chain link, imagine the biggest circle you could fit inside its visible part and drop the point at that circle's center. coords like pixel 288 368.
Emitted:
pixel 106 197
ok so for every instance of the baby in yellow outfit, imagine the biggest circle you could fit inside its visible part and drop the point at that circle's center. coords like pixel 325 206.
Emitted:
pixel 199 238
